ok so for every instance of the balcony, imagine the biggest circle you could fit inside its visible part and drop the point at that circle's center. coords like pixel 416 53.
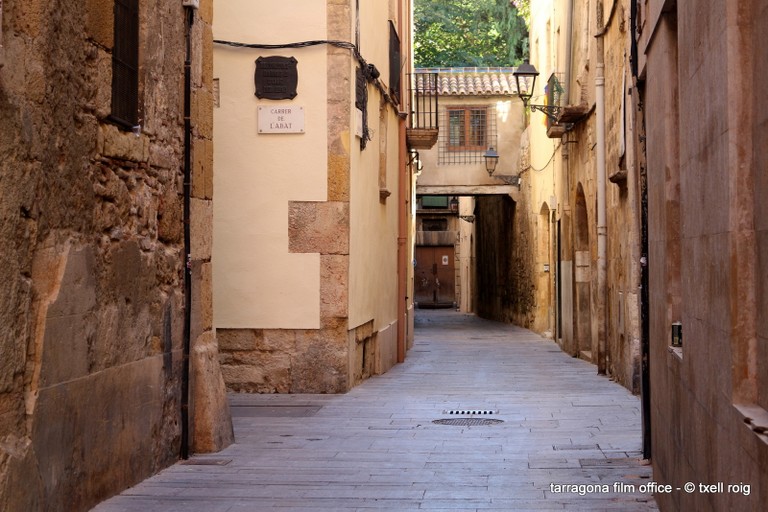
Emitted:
pixel 563 117
pixel 423 127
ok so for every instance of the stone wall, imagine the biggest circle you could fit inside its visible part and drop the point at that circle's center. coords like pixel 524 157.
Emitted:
pixel 505 262
pixel 92 306
pixel 587 312
pixel 707 251
pixel 622 304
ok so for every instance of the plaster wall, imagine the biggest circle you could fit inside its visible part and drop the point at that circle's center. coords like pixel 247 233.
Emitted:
pixel 373 270
pixel 509 126
pixel 258 281
pixel 542 163
pixel 307 286
pixel 465 264
pixel 375 199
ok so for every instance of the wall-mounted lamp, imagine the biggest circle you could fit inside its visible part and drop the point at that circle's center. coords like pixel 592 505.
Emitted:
pixel 491 159
pixel 454 204
pixel 525 78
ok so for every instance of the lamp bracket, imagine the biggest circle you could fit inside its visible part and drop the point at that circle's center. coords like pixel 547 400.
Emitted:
pixel 551 111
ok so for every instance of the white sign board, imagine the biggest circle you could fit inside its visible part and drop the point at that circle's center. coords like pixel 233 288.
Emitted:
pixel 281 119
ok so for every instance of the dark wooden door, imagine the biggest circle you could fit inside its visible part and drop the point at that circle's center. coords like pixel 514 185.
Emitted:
pixel 434 277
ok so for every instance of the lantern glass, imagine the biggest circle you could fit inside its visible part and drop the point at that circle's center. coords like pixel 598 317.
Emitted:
pixel 491 159
pixel 525 78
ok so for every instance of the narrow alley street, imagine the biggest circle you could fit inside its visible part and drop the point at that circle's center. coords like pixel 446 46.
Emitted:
pixel 541 421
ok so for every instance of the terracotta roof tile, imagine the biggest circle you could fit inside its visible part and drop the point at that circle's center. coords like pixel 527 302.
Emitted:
pixel 471 81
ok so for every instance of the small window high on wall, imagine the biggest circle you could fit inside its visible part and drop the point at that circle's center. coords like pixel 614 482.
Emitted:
pixel 125 64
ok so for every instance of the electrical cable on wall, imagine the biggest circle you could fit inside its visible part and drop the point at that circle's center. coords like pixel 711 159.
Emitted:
pixel 369 71
pixel 554 152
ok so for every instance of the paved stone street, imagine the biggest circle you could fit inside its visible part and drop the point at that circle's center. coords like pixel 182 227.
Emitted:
pixel 378 448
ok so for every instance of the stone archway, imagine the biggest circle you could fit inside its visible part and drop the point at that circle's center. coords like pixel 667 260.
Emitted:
pixel 582 279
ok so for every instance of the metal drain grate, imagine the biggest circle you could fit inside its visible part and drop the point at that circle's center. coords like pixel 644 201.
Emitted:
pixel 470 412
pixel 467 422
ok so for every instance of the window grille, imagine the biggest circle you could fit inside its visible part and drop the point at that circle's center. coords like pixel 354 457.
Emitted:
pixel 469 132
pixel 125 64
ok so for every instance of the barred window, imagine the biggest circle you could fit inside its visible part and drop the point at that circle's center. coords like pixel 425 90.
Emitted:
pixel 470 131
pixel 125 64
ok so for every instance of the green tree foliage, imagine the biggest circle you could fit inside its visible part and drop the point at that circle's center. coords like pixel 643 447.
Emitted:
pixel 524 10
pixel 467 33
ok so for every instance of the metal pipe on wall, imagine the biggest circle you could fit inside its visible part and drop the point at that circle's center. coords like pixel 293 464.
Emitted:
pixel 602 228
pixel 403 174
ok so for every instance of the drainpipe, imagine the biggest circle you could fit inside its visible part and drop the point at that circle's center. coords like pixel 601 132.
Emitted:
pixel 602 228
pixel 189 12
pixel 403 198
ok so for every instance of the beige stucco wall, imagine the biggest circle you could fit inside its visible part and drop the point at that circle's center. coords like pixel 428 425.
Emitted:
pixel 258 283
pixel 465 257
pixel 542 165
pixel 373 271
pixel 373 256
pixel 306 242
pixel 509 126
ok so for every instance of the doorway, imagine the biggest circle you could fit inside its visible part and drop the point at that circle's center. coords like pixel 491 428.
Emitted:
pixel 434 285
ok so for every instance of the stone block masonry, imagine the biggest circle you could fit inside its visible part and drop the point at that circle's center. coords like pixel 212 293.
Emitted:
pixel 92 266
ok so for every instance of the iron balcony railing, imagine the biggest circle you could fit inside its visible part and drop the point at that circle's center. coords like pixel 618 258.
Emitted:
pixel 424 120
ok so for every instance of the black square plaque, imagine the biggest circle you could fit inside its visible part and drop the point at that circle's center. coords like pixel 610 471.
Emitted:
pixel 276 78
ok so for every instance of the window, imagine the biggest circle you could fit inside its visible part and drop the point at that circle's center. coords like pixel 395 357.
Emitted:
pixel 434 202
pixel 125 64
pixel 466 128
pixel 470 131
pixel 394 62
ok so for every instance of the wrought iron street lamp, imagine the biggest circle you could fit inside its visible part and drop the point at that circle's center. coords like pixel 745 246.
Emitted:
pixel 491 159
pixel 525 78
